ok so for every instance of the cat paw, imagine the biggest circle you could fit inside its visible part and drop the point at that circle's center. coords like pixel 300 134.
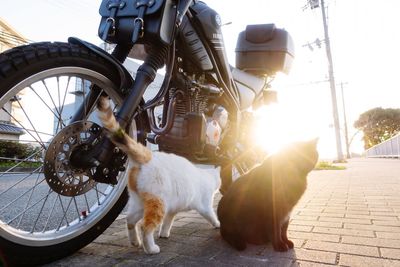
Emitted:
pixel 216 224
pixel 136 243
pixel 152 250
pixel 134 240
pixel 289 243
pixel 163 235
pixel 280 246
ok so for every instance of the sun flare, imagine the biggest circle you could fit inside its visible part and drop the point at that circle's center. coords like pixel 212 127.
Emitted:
pixel 276 127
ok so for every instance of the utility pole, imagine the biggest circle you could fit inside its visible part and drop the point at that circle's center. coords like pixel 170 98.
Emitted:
pixel 332 85
pixel 346 132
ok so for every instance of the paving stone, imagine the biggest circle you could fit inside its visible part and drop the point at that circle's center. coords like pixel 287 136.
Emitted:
pixel 305 218
pixel 332 214
pixel 388 235
pixel 339 231
pixel 300 228
pixel 131 263
pixel 194 220
pixel 380 228
pixel 388 217
pixel 311 264
pixel 317 223
pixel 346 218
pixel 376 242
pixel 182 230
pixel 119 240
pixel 255 258
pixel 361 261
pixel 357 212
pixel 83 260
pixel 342 220
pixel 187 261
pixel 138 256
pixel 390 253
pixel 386 223
pixel 102 249
pixel 342 248
pixel 314 236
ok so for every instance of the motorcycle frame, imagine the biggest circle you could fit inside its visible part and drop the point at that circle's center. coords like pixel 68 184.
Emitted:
pixel 133 100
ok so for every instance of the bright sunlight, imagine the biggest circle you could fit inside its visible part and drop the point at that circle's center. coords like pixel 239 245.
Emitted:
pixel 276 127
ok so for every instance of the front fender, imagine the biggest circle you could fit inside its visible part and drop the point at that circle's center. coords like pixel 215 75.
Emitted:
pixel 126 80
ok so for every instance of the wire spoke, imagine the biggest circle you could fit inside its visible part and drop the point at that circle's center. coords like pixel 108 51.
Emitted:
pixel 65 95
pixel 98 191
pixel 65 214
pixel 41 210
pixel 28 130
pixel 59 95
pixel 29 200
pixel 51 110
pixel 19 163
pixel 97 194
pixel 22 127
pixel 87 203
pixel 51 213
pixel 20 181
pixel 20 196
pixel 28 206
pixel 51 98
pixel 23 212
pixel 77 209
pixel 84 102
pixel 33 126
pixel 93 106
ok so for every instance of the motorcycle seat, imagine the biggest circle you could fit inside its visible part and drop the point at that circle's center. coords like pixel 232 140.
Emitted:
pixel 249 86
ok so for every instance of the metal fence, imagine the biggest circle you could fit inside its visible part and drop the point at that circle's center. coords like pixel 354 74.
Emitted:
pixel 388 149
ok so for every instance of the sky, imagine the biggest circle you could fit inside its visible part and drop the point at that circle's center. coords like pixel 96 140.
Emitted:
pixel 364 42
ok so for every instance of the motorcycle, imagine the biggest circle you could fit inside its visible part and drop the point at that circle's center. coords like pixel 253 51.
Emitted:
pixel 71 185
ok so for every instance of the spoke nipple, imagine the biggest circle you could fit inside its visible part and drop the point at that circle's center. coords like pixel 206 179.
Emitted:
pixel 84 214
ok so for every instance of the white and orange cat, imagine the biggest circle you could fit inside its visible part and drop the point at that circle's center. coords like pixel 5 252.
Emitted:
pixel 160 185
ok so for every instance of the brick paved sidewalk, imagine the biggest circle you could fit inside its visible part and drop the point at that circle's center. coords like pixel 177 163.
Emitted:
pixel 347 218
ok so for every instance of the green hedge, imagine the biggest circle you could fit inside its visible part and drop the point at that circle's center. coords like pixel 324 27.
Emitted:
pixel 9 149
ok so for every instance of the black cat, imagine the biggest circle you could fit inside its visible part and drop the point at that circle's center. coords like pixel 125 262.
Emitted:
pixel 256 208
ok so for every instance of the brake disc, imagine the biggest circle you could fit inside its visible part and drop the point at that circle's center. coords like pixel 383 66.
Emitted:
pixel 60 175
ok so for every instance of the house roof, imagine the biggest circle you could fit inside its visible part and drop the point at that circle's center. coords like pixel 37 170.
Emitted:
pixel 9 128
pixel 9 35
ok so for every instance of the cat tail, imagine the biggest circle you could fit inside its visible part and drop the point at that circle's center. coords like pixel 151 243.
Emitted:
pixel 135 151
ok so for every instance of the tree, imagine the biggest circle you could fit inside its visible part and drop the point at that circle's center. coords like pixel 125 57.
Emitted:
pixel 15 150
pixel 378 125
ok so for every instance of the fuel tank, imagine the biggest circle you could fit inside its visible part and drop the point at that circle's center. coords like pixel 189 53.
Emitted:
pixel 208 22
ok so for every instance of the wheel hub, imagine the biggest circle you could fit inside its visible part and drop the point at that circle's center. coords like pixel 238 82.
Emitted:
pixel 62 176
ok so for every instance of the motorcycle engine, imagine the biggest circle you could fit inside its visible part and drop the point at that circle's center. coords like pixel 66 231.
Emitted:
pixel 198 122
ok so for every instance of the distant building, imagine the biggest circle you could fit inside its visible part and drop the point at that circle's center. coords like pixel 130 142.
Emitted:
pixel 9 37
pixel 9 130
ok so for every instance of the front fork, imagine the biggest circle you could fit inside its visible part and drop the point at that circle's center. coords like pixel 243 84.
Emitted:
pixel 99 156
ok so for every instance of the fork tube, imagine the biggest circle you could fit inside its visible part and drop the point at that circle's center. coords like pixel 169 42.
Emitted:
pixel 121 51
pixel 145 75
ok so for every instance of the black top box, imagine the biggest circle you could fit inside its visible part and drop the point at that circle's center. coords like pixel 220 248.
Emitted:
pixel 263 50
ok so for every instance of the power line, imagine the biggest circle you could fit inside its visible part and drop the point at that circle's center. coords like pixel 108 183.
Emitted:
pixel 75 7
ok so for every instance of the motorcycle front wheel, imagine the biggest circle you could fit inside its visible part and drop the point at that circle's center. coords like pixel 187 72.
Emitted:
pixel 45 218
